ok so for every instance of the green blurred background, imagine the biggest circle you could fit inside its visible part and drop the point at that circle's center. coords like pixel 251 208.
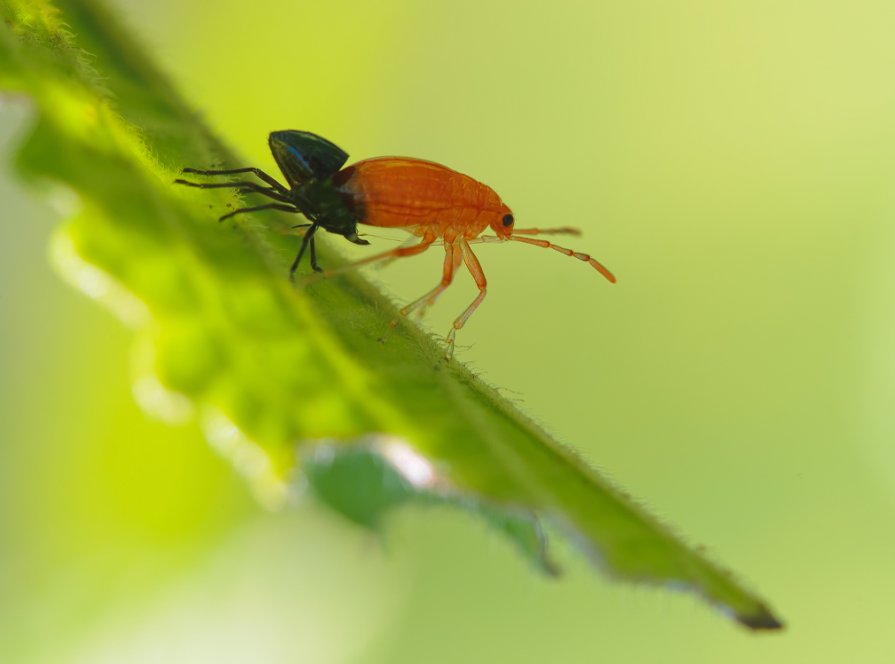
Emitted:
pixel 733 163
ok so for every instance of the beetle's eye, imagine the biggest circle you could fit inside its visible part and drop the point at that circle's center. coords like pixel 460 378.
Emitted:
pixel 507 220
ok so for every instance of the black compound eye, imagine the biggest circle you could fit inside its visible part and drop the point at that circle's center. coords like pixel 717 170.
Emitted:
pixel 507 220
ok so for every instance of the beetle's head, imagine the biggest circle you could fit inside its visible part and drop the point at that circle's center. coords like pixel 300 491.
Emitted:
pixel 502 223
pixel 352 237
pixel 339 223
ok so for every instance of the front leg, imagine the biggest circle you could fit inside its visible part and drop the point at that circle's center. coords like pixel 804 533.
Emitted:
pixel 249 169
pixel 475 269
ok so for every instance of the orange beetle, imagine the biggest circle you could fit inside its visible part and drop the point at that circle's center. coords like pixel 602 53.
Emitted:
pixel 429 200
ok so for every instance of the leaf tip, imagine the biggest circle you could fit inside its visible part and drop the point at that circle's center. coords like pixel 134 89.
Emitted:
pixel 761 620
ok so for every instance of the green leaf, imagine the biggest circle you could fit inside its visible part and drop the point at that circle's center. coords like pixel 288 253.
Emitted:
pixel 292 384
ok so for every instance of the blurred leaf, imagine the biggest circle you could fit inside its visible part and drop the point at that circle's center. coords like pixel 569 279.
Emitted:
pixel 279 374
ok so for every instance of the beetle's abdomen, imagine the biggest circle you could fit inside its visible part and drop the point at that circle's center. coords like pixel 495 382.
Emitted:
pixel 403 192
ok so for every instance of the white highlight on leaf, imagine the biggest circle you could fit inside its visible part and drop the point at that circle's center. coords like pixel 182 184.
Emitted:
pixel 412 466
pixel 95 283
pixel 249 459
pixel 63 199
pixel 158 401
pixel 406 461
pixel 150 393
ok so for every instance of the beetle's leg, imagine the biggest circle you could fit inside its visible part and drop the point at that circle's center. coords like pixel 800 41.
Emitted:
pixel 233 171
pixel 568 252
pixel 305 241
pixel 458 256
pixel 254 187
pixel 398 252
pixel 268 206
pixel 486 239
pixel 447 276
pixel 314 265
pixel 560 230
pixel 407 242
pixel 264 191
pixel 475 269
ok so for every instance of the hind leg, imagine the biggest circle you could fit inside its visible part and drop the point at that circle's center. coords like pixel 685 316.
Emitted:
pixel 447 276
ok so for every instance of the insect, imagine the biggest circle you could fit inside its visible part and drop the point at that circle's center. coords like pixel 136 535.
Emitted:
pixel 432 202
